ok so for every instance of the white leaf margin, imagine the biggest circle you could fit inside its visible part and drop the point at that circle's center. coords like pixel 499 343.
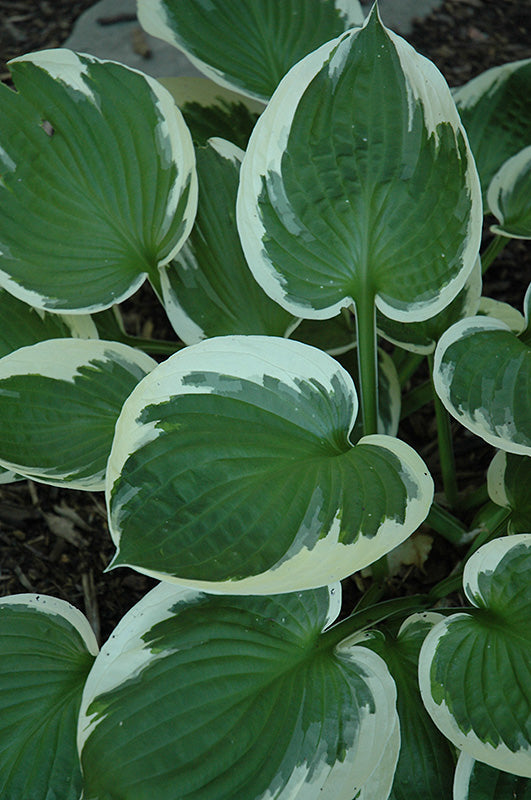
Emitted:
pixel 483 561
pixel 153 18
pixel 496 480
pixel 476 420
pixel 487 83
pixel 503 184
pixel 250 358
pixel 379 730
pixel 174 145
pixel 61 360
pixel 267 144
pixel 185 326
pixel 55 607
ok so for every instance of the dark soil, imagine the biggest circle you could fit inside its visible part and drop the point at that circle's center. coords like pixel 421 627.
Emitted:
pixel 56 541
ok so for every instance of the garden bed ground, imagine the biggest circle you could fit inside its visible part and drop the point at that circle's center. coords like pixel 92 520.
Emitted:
pixel 56 542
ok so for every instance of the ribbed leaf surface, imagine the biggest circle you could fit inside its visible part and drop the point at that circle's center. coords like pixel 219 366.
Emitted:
pixel 482 373
pixel 103 159
pixel 509 196
pixel 59 402
pixel 46 651
pixel 496 115
pixel 226 698
pixel 351 181
pixel 248 45
pixel 208 289
pixel 422 337
pixel 475 669
pixel 232 469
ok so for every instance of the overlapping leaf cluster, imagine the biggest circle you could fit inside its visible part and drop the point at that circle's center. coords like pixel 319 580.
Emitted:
pixel 259 465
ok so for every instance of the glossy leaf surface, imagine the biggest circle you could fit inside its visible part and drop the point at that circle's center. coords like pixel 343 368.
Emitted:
pixel 102 156
pixel 482 373
pixel 208 289
pixel 232 469
pixel 235 699
pixel 59 402
pixel 248 46
pixel 359 146
pixel 47 648
pixel 509 196
pixel 496 115
pixel 475 668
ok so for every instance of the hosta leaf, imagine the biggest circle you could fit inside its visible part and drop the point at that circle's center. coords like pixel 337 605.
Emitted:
pixel 378 785
pixel 509 196
pixel 102 157
pixel 248 46
pixel 475 668
pixel 210 110
pixel 232 470
pixel 482 373
pixel 47 648
pixel 208 289
pixel 425 764
pixel 211 697
pixel 359 146
pixel 23 325
pixel 477 781
pixel 59 402
pixel 335 336
pixel 422 337
pixel 488 307
pixel 8 476
pixel 496 115
pixel 508 480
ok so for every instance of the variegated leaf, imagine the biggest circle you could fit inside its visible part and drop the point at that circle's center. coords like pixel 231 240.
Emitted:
pixel 210 110
pixel 476 781
pixel 475 667
pixel 508 481
pixel 59 402
pixel 422 337
pixel 359 146
pixel 509 196
pixel 23 325
pixel 232 470
pixel 102 157
pixel 496 115
pixel 247 45
pixel 426 762
pixel 208 289
pixel 482 373
pixel 47 648
pixel 203 696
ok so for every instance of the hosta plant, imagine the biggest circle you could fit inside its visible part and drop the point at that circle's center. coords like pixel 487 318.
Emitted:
pixel 312 249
